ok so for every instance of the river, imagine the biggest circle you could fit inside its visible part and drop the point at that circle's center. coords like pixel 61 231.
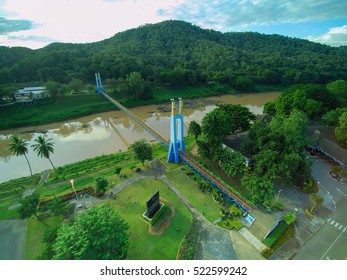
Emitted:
pixel 106 133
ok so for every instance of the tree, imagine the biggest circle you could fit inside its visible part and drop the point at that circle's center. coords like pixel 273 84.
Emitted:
pixel 99 233
pixel 333 117
pixel 76 85
pixel 316 200
pixel 44 147
pixel 339 88
pixel 19 147
pixel 289 218
pixel 142 150
pixel 232 162
pixel 53 88
pixel 262 189
pixel 279 148
pixel 100 184
pixel 216 125
pixel 241 117
pixel 341 131
pixel 194 129
pixel 29 206
pixel 136 84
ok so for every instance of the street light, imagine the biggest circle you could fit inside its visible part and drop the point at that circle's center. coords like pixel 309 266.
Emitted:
pixel 278 195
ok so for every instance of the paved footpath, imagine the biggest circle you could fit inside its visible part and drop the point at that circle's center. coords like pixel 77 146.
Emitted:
pixel 12 239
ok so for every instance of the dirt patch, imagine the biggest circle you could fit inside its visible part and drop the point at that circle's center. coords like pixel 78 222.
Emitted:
pixel 159 230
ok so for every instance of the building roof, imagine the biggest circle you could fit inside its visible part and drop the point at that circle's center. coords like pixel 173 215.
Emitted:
pixel 33 88
pixel 325 138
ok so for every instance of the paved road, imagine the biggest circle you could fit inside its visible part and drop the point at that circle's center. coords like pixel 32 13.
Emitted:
pixel 332 191
pixel 12 239
pixel 330 242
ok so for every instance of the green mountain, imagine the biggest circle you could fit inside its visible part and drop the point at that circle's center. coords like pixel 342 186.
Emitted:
pixel 176 52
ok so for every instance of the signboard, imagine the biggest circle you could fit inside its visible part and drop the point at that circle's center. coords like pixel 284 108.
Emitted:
pixel 153 205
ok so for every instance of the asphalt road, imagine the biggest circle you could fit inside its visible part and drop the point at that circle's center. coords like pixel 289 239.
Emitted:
pixel 12 239
pixel 330 242
pixel 331 190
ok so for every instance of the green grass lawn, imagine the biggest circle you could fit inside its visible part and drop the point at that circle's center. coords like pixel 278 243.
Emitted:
pixel 35 230
pixel 203 202
pixel 131 204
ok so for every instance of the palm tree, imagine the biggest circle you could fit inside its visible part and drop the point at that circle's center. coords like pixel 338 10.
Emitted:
pixel 19 147
pixel 44 147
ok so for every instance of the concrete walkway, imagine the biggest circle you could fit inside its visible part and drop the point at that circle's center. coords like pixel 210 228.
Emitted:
pixel 253 240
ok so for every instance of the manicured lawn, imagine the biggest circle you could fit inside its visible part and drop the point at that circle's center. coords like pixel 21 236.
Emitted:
pixel 35 232
pixel 131 204
pixel 203 202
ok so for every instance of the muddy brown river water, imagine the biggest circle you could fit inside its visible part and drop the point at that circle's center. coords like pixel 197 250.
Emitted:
pixel 110 132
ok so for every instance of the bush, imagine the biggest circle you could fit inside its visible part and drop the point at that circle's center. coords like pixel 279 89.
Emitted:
pixel 118 170
pixel 310 186
pixel 273 205
pixel 101 185
pixel 235 211
pixel 289 218
pixel 231 224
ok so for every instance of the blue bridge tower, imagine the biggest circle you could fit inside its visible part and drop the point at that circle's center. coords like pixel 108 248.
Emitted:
pixel 176 132
pixel 99 88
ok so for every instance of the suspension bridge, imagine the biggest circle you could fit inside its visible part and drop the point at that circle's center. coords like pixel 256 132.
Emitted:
pixel 177 151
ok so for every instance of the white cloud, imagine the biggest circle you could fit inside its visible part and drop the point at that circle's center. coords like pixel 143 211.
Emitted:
pixel 335 37
pixel 94 20
pixel 83 21
pixel 240 14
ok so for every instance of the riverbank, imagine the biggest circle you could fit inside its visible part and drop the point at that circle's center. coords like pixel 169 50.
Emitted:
pixel 64 108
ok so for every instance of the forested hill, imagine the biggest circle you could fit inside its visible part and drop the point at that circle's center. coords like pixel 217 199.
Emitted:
pixel 177 52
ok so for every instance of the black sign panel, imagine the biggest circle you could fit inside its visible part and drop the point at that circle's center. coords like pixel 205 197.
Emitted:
pixel 153 205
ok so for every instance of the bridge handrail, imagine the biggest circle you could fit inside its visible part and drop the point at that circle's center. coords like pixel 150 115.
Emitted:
pixel 243 200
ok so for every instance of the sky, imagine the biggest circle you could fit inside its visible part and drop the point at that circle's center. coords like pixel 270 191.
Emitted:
pixel 37 23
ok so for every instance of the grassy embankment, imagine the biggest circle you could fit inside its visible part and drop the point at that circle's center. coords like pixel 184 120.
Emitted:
pixel 69 107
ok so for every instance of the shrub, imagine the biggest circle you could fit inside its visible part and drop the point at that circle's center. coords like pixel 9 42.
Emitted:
pixel 118 170
pixel 235 211
pixel 289 218
pixel 101 184
pixel 231 224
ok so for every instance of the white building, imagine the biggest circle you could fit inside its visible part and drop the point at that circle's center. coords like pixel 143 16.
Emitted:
pixel 31 93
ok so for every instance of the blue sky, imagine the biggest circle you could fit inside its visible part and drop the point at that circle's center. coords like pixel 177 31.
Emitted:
pixel 36 23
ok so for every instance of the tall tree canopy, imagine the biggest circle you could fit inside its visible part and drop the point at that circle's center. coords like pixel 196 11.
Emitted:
pixel 341 131
pixel 279 148
pixel 142 150
pixel 241 117
pixel 262 189
pixel 100 233
pixel 44 148
pixel 29 206
pixel 19 147
pixel 216 125
pixel 312 99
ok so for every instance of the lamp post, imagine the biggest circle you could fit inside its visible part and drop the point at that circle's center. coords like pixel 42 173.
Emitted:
pixel 278 195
